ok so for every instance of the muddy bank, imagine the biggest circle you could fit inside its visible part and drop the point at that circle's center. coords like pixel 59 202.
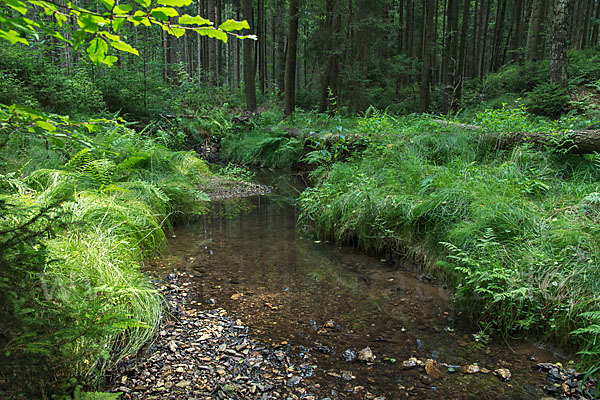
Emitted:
pixel 218 188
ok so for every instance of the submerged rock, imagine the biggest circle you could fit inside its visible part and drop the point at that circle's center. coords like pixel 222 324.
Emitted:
pixel 349 355
pixel 503 373
pixel 366 355
pixel 470 369
pixel 410 363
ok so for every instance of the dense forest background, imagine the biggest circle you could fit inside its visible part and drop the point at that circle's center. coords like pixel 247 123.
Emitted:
pixel 403 55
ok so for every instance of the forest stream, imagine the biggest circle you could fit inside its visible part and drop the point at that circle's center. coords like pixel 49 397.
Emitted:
pixel 321 304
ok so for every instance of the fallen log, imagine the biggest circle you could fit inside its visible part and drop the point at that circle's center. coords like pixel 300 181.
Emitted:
pixel 583 141
pixel 572 142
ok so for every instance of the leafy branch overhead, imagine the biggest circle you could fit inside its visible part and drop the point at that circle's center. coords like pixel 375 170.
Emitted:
pixel 99 30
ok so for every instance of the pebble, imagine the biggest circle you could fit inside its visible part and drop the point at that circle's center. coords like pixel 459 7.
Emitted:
pixel 366 355
pixel 204 354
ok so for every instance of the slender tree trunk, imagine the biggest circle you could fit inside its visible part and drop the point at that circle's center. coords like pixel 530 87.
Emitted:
pixel 596 27
pixel 260 29
pixel 516 39
pixel 249 71
pixel 585 34
pixel 290 62
pixel 426 42
pixel 498 36
pixel 462 51
pixel 238 57
pixel 475 48
pixel 333 23
pixel 485 20
pixel 535 28
pixel 219 45
pixel 281 46
pixel 558 51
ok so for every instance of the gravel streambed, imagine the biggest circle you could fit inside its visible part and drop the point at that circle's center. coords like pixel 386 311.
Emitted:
pixel 204 354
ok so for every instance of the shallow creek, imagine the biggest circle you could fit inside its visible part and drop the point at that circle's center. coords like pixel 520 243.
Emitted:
pixel 318 299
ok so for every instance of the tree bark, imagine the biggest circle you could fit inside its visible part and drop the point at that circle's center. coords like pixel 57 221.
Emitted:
pixel 558 50
pixel 498 36
pixel 426 42
pixel 249 70
pixel 535 28
pixel 462 51
pixel 262 40
pixel 516 39
pixel 290 62
pixel 596 27
pixel 484 34
pixel 329 80
pixel 281 47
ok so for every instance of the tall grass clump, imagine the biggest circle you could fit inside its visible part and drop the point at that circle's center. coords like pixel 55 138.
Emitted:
pixel 515 231
pixel 73 238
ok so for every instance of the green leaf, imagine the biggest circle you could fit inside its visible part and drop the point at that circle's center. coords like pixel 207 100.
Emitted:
pixel 124 47
pixel 117 23
pixel 212 33
pixel 189 20
pixel 123 8
pixel 60 19
pixel 45 125
pixel 97 50
pixel 87 23
pixel 78 38
pixel 144 3
pixel 91 127
pixel 110 60
pixel 17 5
pixel 139 18
pixel 162 12
pixel 109 4
pixel 12 36
pixel 231 25
pixel 175 3
pixel 110 36
pixel 173 30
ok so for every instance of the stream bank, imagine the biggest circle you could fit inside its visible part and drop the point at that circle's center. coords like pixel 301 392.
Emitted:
pixel 314 307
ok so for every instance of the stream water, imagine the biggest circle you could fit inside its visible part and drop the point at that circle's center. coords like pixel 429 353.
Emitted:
pixel 319 299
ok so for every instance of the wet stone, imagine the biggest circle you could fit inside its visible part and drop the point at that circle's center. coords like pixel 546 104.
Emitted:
pixel 366 355
pixel 349 355
pixel 207 355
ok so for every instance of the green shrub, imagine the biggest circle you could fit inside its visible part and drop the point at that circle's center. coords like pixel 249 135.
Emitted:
pixel 548 99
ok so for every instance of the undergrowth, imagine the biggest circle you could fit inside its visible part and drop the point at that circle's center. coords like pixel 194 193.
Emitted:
pixel 74 231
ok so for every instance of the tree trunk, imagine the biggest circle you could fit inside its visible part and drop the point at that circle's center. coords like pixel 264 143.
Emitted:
pixel 594 41
pixel 426 42
pixel 329 86
pixel 535 28
pixel 249 72
pixel 498 36
pixel 448 56
pixel 462 51
pixel 558 51
pixel 290 62
pixel 281 46
pixel 516 40
pixel 219 45
pixel 485 21
pixel 262 40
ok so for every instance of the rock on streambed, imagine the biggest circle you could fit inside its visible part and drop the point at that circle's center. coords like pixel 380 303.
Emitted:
pixel 206 355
